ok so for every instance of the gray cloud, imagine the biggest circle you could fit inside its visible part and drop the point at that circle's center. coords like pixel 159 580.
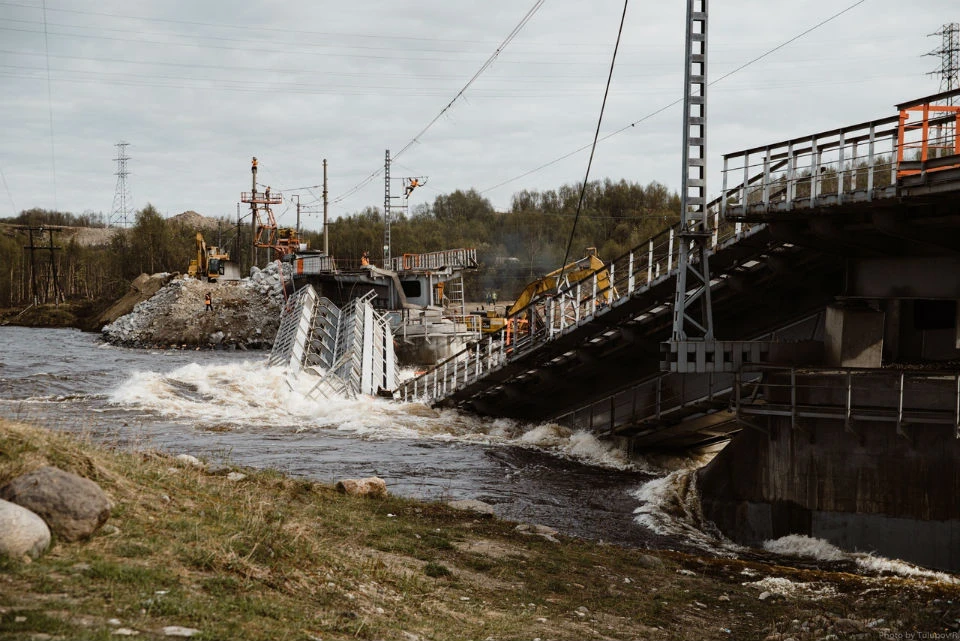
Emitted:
pixel 199 87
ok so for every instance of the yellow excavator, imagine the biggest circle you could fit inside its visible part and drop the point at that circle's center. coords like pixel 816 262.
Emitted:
pixel 573 273
pixel 210 263
pixel 579 270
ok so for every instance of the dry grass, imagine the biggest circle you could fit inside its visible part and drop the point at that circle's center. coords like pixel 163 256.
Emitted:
pixel 270 557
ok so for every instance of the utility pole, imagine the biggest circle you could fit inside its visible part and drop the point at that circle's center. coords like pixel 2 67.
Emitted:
pixel 121 197
pixel 58 296
pixel 297 196
pixel 236 242
pixel 386 211
pixel 33 268
pixel 326 228
pixel 253 209
pixel 692 334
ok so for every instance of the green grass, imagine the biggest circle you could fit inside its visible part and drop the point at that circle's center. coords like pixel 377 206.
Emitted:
pixel 279 558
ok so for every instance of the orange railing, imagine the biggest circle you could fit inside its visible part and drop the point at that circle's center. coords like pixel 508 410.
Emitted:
pixel 926 131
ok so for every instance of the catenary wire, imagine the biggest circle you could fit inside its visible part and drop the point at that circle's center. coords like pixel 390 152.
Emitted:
pixel 596 136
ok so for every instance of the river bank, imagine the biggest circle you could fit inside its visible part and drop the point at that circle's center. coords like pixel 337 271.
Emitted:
pixel 263 555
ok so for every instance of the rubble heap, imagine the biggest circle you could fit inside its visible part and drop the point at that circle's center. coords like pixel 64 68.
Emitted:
pixel 245 314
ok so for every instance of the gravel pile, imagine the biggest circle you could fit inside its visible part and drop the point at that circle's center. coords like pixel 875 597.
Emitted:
pixel 245 314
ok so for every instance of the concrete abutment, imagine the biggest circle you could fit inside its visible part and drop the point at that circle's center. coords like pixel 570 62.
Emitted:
pixel 870 489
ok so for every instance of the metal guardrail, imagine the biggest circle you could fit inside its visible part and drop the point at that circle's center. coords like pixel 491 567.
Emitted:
pixel 851 395
pixel 856 163
pixel 455 258
pixel 850 164
pixel 647 265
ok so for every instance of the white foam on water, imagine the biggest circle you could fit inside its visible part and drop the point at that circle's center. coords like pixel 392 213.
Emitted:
pixel 821 550
pixel 671 506
pixel 806 547
pixel 253 394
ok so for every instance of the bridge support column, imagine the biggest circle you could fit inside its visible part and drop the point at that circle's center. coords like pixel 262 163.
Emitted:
pixel 870 491
pixel 854 337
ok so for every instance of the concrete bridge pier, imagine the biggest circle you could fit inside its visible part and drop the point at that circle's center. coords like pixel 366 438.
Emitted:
pixel 863 488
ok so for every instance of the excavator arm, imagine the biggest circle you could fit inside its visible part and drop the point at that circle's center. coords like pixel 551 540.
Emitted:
pixel 572 273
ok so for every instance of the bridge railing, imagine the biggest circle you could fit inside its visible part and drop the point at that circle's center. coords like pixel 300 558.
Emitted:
pixel 462 258
pixel 549 317
pixel 851 164
pixel 854 395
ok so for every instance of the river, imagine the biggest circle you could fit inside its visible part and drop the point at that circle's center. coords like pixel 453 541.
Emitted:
pixel 229 406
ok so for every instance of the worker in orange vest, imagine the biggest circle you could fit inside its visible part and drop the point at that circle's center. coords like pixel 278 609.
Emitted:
pixel 414 183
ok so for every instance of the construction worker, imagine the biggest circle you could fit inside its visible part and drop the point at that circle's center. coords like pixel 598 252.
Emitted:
pixel 253 165
pixel 365 259
pixel 268 192
pixel 207 302
pixel 414 183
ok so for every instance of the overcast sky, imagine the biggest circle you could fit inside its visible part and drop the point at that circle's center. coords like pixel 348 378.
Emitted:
pixel 197 88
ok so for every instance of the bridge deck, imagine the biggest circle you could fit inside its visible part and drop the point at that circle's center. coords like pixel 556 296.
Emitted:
pixel 782 240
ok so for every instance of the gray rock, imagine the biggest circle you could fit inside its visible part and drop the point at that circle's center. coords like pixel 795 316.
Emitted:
pixel 650 562
pixel 188 460
pixel 72 506
pixel 21 532
pixel 179 631
pixel 472 505
pixel 373 487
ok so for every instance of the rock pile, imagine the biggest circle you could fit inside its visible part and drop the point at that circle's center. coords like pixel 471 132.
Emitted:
pixel 245 314
pixel 44 500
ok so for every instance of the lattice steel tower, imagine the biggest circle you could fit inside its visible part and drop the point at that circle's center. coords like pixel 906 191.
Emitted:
pixel 949 54
pixel 119 213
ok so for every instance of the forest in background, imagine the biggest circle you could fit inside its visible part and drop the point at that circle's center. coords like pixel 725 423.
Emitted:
pixel 513 247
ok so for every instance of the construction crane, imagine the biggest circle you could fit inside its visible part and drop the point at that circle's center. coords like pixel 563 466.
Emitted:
pixel 282 240
pixel 211 262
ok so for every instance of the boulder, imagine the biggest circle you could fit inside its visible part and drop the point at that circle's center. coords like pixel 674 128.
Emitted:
pixel 72 506
pixel 373 487
pixel 472 505
pixel 21 532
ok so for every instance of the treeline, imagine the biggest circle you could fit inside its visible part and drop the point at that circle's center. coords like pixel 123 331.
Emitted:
pixel 514 246
pixel 85 269
pixel 523 243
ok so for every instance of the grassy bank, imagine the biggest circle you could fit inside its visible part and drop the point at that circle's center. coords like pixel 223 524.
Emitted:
pixel 271 557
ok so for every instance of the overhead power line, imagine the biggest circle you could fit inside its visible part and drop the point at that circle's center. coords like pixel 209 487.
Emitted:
pixel 486 65
pixel 224 25
pixel 53 148
pixel 596 135
pixel 679 100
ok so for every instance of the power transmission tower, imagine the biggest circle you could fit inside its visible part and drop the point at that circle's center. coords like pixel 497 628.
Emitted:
pixel 949 54
pixel 119 214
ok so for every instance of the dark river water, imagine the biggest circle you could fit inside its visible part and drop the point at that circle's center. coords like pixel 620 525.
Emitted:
pixel 230 406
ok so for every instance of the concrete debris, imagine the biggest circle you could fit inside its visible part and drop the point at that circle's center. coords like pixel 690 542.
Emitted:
pixel 245 314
